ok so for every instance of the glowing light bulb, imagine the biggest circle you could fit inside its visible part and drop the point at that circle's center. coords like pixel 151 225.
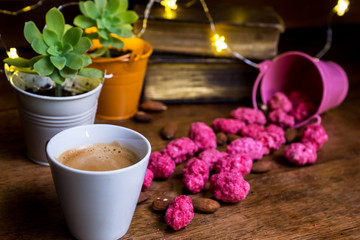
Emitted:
pixel 219 42
pixel 169 5
pixel 12 53
pixel 342 7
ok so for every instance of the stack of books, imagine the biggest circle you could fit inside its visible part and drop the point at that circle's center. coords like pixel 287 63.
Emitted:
pixel 185 65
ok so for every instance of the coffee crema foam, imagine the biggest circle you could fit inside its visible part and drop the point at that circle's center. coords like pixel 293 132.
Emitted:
pixel 99 157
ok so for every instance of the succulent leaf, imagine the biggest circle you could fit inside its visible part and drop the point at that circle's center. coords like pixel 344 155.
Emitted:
pixel 68 72
pixel 55 21
pixel 58 61
pixel 39 46
pixel 128 17
pixel 124 4
pixel 31 32
pixel 56 77
pixel 44 66
pixel 103 33
pixel 91 10
pixel 73 61
pixel 91 73
pixel 72 36
pixel 68 48
pixel 83 45
pixel 86 60
pixel 50 37
pixel 101 5
pixel 84 21
pixel 117 43
pixel 19 62
pixel 99 52
pixel 113 7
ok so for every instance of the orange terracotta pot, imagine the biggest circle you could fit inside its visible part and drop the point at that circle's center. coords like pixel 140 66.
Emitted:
pixel 120 95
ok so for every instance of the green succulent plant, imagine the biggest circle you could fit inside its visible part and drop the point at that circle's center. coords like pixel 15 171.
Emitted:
pixel 61 48
pixel 108 17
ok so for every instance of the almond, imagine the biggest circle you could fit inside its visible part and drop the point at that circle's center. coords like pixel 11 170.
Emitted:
pixel 261 166
pixel 153 106
pixel 141 116
pixel 291 134
pixel 221 138
pixel 205 205
pixel 169 130
pixel 143 197
pixel 231 137
pixel 161 203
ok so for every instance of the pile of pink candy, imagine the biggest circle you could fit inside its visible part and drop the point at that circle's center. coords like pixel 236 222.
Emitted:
pixel 226 170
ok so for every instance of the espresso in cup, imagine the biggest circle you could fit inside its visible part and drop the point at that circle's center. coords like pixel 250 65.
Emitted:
pixel 99 157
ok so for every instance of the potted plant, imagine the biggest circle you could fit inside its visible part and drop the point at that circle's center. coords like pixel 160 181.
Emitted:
pixel 115 50
pixel 58 69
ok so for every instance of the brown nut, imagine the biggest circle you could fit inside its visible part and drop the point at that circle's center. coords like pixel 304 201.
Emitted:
pixel 231 137
pixel 169 130
pixel 205 205
pixel 291 134
pixel 153 106
pixel 161 203
pixel 144 117
pixel 261 166
pixel 143 197
pixel 221 138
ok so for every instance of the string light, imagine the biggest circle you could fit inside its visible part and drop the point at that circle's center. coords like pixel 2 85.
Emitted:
pixel 12 53
pixel 340 9
pixel 219 42
pixel 169 5
pixel 22 10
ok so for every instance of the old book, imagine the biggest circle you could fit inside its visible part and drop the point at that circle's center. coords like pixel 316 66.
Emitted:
pixel 252 32
pixel 184 78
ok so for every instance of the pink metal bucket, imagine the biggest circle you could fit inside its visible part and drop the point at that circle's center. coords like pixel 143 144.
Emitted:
pixel 324 82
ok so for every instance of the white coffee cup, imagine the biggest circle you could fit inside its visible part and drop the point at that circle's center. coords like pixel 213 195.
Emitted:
pixel 98 204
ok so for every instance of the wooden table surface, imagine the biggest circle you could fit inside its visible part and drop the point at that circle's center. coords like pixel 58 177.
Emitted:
pixel 320 201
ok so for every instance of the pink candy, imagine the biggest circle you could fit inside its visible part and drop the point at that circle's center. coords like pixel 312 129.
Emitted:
pixel 238 163
pixel 281 118
pixel 249 115
pixel 315 134
pixel 229 186
pixel 228 125
pixel 202 135
pixel 302 107
pixel 302 111
pixel 180 212
pixel 161 165
pixel 252 130
pixel 195 175
pixel 275 129
pixel 300 153
pixel 180 149
pixel 246 146
pixel 280 101
pixel 297 97
pixel 211 156
pixel 271 141
pixel 147 180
